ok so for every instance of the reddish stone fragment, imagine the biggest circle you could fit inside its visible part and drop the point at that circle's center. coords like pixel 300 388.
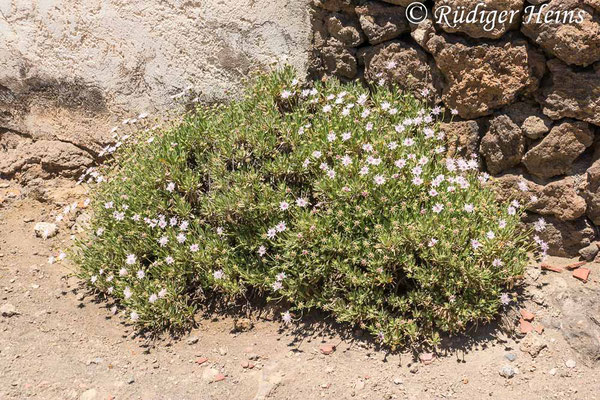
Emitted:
pixel 201 360
pixel 327 349
pixel 539 329
pixel 527 315
pixel 575 265
pixel 219 378
pixel 525 326
pixel 581 274
pixel 548 267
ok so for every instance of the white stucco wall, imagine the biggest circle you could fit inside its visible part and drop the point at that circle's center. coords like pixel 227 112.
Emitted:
pixel 70 68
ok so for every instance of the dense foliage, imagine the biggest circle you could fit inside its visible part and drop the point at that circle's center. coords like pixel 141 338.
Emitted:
pixel 332 198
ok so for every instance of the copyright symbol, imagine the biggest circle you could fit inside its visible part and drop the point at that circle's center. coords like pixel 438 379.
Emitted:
pixel 416 12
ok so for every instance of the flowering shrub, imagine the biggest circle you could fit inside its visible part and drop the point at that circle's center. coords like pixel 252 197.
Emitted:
pixel 329 198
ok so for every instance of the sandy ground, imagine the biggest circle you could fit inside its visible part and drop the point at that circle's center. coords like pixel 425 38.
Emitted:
pixel 64 344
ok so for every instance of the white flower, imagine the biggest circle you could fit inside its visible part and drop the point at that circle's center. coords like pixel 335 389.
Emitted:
pixel 271 233
pixel 127 293
pixel 181 238
pixel 417 180
pixel 432 242
pixel 364 170
pixel 399 128
pixel 346 136
pixel 362 99
pixel 373 160
pixel 123 272
pixel 99 231
pixel 469 208
pixel 277 285
pixel 162 293
pixel 369 127
pixel 505 299
pixel 331 174
pixel 502 224
pixel 523 186
pixel 62 255
pixel 141 274
pixel 497 262
pixel 367 147
pixel 218 274
pixel 437 208
pixel 454 111
pixel 392 145
pixel 331 137
pixel 540 225
pixel 475 244
pixel 194 248
pixel 51 260
pixel 327 108
pixel 262 250
pixel 511 210
pixel 220 231
pixel 285 94
pixel 346 160
pixel 108 205
pixel 408 142
pixel 301 202
pixel 94 278
pixel 280 276
pixel 134 316
pixel 400 163
pixel 163 241
pixel 170 187
pixel 284 205
pixel 152 298
pixel 316 154
pixel 280 226
pixel 169 260
pixel 379 180
pixel 490 235
pixel 433 192
pixel 286 317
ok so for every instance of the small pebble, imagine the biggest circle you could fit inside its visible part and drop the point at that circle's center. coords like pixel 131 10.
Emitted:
pixel 507 371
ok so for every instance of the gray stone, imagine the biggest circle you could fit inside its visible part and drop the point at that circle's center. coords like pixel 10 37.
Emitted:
pixel 564 238
pixel 503 146
pixel 571 94
pixel 507 371
pixel 575 43
pixel 89 394
pixel 481 30
pixel 589 253
pixel 555 153
pixel 45 230
pixel 482 77
pixel 339 60
pixel 381 22
pixel 8 310
pixel 405 65
pixel 462 138
pixel 346 29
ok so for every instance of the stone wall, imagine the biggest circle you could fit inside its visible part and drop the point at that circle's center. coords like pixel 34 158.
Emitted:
pixel 72 69
pixel 527 94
